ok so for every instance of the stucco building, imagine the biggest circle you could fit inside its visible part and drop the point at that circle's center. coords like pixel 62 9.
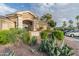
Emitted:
pixel 22 19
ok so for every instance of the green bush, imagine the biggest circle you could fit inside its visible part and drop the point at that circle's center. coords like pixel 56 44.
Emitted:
pixel 17 32
pixel 3 37
pixel 58 34
pixel 25 37
pixel 7 36
pixel 10 36
pixel 44 34
pixel 32 41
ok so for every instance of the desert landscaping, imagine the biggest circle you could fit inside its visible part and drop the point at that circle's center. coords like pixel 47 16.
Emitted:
pixel 25 34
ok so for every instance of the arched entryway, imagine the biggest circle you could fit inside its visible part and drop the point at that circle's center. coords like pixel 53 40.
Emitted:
pixel 28 25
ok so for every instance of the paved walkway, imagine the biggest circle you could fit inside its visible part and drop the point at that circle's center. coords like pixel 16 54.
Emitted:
pixel 74 43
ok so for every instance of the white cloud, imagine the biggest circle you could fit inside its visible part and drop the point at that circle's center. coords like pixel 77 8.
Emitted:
pixel 62 4
pixel 47 4
pixel 43 8
pixel 4 9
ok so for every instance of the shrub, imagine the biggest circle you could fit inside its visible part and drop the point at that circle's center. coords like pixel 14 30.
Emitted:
pixel 3 37
pixel 25 37
pixel 32 41
pixel 44 34
pixel 10 36
pixel 58 34
pixel 7 36
pixel 17 32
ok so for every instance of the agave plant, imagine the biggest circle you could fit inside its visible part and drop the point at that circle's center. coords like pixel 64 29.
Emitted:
pixel 8 52
pixel 66 51
pixel 50 47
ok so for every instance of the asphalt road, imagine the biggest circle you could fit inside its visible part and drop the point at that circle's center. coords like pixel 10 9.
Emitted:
pixel 76 38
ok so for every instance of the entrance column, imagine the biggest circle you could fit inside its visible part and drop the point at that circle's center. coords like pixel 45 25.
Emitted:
pixel 20 24
pixel 34 25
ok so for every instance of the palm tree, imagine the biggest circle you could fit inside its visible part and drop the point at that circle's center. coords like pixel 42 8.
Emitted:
pixel 52 23
pixel 77 17
pixel 70 24
pixel 48 19
pixel 64 25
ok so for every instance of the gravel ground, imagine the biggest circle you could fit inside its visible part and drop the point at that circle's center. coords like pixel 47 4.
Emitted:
pixel 21 49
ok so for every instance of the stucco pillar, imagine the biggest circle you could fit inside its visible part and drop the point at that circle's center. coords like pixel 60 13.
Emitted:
pixel 20 23
pixel 34 25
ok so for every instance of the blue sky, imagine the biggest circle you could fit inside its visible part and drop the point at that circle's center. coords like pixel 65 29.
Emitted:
pixel 60 11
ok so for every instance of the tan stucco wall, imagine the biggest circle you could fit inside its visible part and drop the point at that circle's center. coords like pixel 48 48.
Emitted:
pixel 7 25
pixel 24 16
pixel 27 16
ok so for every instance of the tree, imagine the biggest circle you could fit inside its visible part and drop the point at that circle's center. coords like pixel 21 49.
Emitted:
pixel 77 17
pixel 51 23
pixel 70 24
pixel 64 24
pixel 48 19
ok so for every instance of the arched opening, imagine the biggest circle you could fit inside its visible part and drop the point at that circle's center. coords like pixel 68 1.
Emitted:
pixel 28 25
